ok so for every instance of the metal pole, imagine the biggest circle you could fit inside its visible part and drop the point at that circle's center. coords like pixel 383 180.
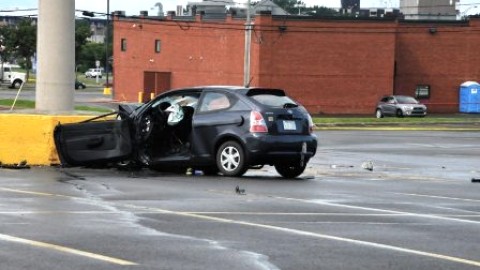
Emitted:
pixel 106 44
pixel 248 41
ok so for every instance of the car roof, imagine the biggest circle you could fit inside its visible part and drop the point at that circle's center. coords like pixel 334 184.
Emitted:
pixel 233 88
pixel 395 96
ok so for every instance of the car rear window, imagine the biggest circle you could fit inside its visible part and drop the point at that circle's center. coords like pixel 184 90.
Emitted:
pixel 272 98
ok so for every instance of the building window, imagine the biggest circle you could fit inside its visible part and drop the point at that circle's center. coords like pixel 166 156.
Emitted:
pixel 124 45
pixel 158 45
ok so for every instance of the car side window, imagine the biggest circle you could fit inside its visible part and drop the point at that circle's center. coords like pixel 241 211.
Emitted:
pixel 214 101
pixel 185 99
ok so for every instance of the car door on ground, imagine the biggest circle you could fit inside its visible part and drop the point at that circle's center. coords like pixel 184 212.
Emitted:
pixel 93 142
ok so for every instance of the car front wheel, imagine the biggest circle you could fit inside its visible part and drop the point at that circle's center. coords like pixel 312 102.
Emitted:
pixel 290 171
pixel 16 84
pixel 230 159
pixel 379 113
pixel 399 113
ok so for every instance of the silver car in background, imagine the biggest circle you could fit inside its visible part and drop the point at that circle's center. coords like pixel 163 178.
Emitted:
pixel 400 106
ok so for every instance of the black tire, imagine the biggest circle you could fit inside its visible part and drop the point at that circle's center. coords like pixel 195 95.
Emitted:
pixel 230 159
pixel 290 171
pixel 399 113
pixel 378 113
pixel 128 165
pixel 145 127
pixel 16 84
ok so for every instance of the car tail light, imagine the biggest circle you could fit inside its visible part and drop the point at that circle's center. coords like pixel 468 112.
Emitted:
pixel 257 123
pixel 311 125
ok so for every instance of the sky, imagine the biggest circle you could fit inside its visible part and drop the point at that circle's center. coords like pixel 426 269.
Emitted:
pixel 134 7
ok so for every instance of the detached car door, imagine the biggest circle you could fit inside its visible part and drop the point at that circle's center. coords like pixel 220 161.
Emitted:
pixel 93 143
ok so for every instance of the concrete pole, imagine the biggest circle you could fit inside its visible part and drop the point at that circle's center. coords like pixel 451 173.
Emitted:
pixel 248 42
pixel 56 56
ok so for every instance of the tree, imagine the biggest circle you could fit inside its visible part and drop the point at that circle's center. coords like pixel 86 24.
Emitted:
pixel 290 6
pixel 82 33
pixel 20 41
pixel 90 53
pixel 5 50
pixel 321 11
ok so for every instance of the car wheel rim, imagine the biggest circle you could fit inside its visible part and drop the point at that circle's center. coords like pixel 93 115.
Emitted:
pixel 379 114
pixel 230 158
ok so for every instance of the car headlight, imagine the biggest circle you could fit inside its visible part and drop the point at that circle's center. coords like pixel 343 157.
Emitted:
pixel 407 108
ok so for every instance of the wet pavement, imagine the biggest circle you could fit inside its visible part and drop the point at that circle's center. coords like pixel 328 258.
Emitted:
pixel 368 200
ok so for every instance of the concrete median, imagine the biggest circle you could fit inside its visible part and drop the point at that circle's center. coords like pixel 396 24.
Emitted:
pixel 29 137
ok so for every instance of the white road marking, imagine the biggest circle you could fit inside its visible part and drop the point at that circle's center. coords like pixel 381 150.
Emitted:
pixel 77 252
pixel 317 235
pixel 438 197
pixel 287 230
pixel 430 216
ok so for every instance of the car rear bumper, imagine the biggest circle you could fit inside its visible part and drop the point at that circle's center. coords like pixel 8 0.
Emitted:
pixel 269 149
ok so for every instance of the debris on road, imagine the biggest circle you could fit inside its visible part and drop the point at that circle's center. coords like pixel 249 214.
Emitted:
pixel 239 191
pixel 22 165
pixel 368 165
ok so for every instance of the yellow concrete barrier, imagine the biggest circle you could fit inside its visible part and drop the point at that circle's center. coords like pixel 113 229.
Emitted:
pixel 30 137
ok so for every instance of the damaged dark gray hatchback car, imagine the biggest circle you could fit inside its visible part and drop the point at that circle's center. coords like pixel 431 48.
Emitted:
pixel 215 129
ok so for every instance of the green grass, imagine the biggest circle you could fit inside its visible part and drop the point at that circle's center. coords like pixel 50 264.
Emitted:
pixel 431 119
pixel 28 104
pixel 22 104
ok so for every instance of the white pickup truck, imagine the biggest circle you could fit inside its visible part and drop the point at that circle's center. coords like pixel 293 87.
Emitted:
pixel 11 78
pixel 93 73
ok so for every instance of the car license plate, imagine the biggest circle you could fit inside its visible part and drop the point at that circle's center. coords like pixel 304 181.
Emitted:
pixel 289 125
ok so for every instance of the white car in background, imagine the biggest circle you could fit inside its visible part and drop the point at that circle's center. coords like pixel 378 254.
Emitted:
pixel 93 73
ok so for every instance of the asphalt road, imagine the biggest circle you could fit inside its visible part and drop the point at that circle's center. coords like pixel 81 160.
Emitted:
pixel 416 209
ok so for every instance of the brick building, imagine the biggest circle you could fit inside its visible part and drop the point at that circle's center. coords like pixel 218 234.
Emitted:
pixel 332 66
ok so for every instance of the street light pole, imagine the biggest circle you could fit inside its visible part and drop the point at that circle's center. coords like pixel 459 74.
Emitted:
pixel 248 41
pixel 106 45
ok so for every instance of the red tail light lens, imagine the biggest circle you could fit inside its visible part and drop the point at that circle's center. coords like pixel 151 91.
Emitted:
pixel 257 123
pixel 311 125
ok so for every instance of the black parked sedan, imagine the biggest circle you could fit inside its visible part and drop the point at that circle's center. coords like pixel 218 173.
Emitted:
pixel 222 129
pixel 79 85
pixel 400 106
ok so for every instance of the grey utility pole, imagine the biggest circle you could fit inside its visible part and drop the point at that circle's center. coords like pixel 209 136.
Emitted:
pixel 248 42
pixel 55 56
pixel 107 33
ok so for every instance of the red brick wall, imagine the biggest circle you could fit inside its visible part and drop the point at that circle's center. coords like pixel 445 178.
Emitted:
pixel 330 66
pixel 333 67
pixel 443 59
pixel 195 53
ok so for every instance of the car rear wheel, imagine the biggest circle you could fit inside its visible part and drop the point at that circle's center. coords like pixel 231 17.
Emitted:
pixel 231 159
pixel 379 113
pixel 290 171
